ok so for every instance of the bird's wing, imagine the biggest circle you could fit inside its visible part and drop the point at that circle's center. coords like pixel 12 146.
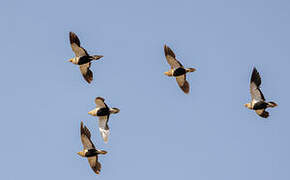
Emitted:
pixel 94 163
pixel 104 128
pixel 100 102
pixel 86 137
pixel 170 57
pixel 183 84
pixel 76 45
pixel 255 91
pixel 86 72
pixel 262 113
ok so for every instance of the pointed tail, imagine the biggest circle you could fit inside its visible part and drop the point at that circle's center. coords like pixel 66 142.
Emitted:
pixel 190 69
pixel 96 57
pixel 271 104
pixel 102 152
pixel 114 110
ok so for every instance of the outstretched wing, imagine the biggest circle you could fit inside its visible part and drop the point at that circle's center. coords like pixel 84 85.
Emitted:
pixel 94 163
pixel 170 57
pixel 255 91
pixel 76 45
pixel 104 128
pixel 100 102
pixel 183 84
pixel 86 72
pixel 86 137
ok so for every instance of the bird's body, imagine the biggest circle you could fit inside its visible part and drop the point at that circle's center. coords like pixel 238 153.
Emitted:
pixel 89 151
pixel 103 112
pixel 82 58
pixel 258 102
pixel 177 70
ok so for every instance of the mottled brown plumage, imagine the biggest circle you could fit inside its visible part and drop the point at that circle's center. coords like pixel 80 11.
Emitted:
pixel 82 58
pixel 103 112
pixel 177 70
pixel 89 149
pixel 258 102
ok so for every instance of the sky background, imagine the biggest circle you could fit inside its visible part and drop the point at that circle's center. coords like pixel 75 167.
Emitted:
pixel 160 133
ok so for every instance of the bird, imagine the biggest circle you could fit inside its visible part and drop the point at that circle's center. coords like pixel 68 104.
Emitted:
pixel 89 151
pixel 103 112
pixel 82 58
pixel 177 70
pixel 258 102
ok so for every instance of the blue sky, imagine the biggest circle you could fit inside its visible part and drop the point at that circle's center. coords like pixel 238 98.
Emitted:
pixel 160 133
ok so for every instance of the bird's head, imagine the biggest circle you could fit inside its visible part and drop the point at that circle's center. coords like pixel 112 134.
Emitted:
pixel 248 105
pixel 71 60
pixel 82 153
pixel 168 73
pixel 93 112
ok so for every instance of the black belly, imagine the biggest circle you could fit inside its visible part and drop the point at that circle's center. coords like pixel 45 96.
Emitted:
pixel 179 71
pixel 84 60
pixel 103 112
pixel 91 152
pixel 260 105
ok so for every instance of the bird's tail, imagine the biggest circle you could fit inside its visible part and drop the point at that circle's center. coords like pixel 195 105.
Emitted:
pixel 190 69
pixel 271 104
pixel 114 110
pixel 96 57
pixel 102 152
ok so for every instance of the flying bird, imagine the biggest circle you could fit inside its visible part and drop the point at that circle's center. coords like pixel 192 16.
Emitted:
pixel 90 151
pixel 82 58
pixel 103 112
pixel 177 70
pixel 258 102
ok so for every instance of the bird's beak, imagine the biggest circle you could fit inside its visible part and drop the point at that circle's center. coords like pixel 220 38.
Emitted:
pixel 70 60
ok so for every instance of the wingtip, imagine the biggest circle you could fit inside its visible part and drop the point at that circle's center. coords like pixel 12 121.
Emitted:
pixel 255 77
pixel 185 88
pixel 168 51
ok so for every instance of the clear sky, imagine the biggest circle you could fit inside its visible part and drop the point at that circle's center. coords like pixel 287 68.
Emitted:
pixel 160 133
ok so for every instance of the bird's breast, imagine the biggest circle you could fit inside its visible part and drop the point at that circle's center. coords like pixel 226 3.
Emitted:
pixel 179 71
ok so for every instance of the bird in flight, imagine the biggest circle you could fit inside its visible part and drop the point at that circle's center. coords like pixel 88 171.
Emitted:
pixel 82 58
pixel 258 102
pixel 103 112
pixel 177 70
pixel 89 151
